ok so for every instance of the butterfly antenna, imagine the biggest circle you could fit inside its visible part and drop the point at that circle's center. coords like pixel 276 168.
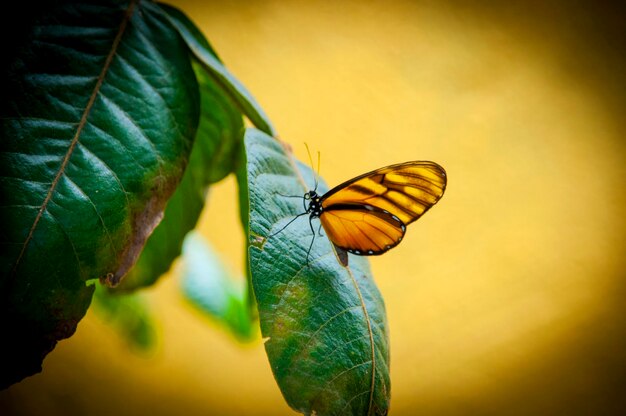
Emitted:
pixel 311 162
pixel 286 225
pixel 319 157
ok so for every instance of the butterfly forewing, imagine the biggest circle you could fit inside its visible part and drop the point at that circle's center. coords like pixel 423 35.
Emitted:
pixel 406 190
pixel 361 228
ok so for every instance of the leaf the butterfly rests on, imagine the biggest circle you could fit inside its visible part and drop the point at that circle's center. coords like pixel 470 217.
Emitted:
pixel 324 325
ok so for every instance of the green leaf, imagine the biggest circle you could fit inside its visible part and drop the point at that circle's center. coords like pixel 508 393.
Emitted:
pixel 129 314
pixel 215 154
pixel 201 49
pixel 97 122
pixel 326 325
pixel 212 289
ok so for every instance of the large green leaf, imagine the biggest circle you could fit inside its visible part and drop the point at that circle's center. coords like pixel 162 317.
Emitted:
pixel 326 325
pixel 97 123
pixel 215 154
pixel 205 54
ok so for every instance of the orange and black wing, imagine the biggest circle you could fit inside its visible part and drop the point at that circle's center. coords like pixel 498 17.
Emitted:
pixel 362 229
pixel 368 215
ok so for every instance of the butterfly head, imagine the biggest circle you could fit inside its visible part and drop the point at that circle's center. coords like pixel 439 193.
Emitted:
pixel 315 204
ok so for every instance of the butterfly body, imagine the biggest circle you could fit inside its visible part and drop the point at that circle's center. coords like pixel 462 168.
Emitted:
pixel 315 206
pixel 368 215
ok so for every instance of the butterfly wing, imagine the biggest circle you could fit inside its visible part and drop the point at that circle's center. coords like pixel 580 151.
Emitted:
pixel 361 228
pixel 368 215
pixel 406 190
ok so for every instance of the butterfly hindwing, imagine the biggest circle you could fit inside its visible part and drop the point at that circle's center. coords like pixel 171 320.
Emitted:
pixel 362 228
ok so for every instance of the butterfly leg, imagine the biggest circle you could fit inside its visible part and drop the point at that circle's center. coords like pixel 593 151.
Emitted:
pixel 319 230
pixel 286 225
pixel 312 240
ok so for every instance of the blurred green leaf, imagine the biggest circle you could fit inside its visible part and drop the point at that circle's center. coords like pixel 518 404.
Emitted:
pixel 212 289
pixel 129 314
pixel 99 113
pixel 207 57
pixel 326 325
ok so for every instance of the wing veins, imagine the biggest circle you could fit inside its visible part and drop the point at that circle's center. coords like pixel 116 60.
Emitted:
pixel 394 203
pixel 414 185
pixel 384 171
pixel 356 224
pixel 368 237
pixel 363 232
pixel 360 209
pixel 361 189
pixel 412 175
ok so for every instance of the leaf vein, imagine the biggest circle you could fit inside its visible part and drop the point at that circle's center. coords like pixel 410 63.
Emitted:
pixel 88 199
pixel 140 131
pixel 352 399
pixel 78 132
pixel 282 297
pixel 113 173
pixel 348 370
pixel 111 137
pixel 141 79
pixel 69 239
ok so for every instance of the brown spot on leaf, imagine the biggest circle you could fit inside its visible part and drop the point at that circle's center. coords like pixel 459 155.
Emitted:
pixel 143 224
pixel 257 241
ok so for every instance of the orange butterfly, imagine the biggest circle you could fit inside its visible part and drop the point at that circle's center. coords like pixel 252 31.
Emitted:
pixel 368 215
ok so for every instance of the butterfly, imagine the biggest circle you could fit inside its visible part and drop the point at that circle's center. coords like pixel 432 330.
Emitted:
pixel 368 215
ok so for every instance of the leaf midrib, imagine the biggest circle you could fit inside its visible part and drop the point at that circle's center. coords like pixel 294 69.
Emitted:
pixel 79 129
pixel 371 336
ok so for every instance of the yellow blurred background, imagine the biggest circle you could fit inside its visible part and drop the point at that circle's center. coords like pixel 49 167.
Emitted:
pixel 506 298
